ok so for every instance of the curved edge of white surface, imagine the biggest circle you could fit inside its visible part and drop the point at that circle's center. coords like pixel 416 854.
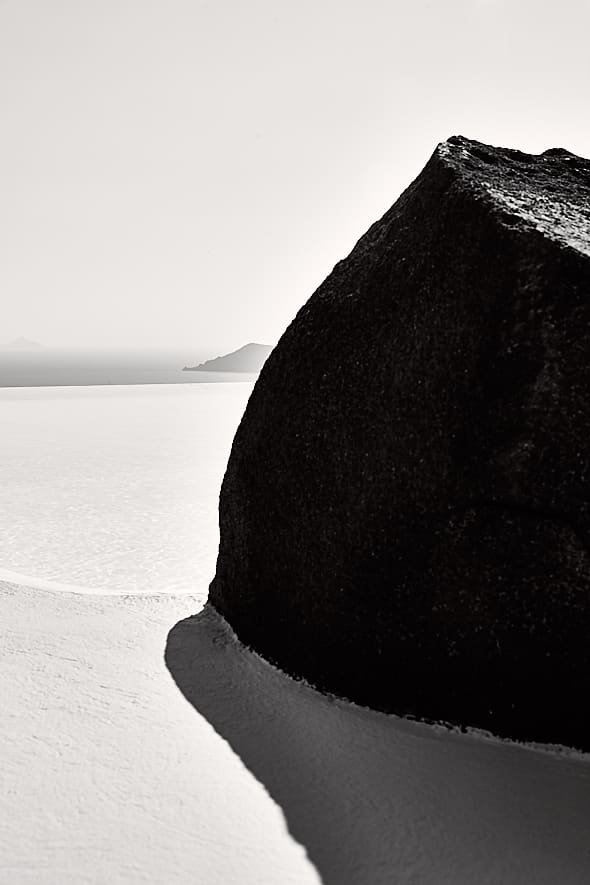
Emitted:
pixel 108 774
pixel 36 583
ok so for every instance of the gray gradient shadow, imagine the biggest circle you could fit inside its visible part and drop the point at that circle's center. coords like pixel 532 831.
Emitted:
pixel 375 799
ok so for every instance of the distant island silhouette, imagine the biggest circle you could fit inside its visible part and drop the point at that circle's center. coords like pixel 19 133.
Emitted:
pixel 21 344
pixel 249 358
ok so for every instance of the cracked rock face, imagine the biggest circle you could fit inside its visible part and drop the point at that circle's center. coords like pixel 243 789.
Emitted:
pixel 405 516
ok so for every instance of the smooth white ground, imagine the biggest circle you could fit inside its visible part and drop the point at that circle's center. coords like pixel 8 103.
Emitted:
pixel 108 776
pixel 114 488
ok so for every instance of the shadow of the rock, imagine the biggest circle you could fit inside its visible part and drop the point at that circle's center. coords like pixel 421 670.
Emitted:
pixel 375 799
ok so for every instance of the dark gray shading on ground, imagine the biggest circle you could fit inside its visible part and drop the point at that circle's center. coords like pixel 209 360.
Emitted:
pixel 405 515
pixel 375 799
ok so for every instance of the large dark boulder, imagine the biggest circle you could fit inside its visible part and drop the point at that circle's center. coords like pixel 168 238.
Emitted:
pixel 405 515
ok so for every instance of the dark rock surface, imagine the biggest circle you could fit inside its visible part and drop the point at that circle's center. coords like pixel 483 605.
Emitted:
pixel 405 515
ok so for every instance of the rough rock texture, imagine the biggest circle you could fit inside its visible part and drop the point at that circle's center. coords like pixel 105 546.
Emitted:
pixel 405 516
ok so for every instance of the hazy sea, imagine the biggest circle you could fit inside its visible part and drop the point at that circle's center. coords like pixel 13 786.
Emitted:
pixel 50 367
pixel 115 488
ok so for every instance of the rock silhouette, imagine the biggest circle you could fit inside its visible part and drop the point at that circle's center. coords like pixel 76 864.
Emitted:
pixel 405 515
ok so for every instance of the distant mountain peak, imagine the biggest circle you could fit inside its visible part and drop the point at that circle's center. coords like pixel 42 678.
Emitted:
pixel 21 343
pixel 248 358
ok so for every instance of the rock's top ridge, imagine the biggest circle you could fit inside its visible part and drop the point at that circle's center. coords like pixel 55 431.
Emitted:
pixel 549 192
pixel 405 516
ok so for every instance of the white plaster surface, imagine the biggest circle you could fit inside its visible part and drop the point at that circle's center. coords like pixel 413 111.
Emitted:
pixel 108 776
pixel 115 488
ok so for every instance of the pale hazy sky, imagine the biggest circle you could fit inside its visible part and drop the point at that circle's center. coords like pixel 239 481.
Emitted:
pixel 185 173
